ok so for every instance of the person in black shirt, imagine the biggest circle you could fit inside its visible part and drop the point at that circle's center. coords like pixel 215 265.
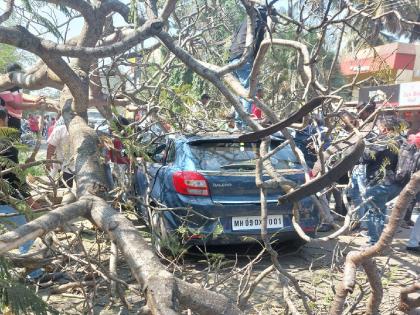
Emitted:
pixel 8 151
pixel 12 185
pixel 413 244
pixel 380 158
pixel 237 49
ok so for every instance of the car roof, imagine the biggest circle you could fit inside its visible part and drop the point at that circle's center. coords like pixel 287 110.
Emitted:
pixel 219 137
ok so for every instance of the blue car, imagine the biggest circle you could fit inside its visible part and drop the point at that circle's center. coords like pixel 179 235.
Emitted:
pixel 202 190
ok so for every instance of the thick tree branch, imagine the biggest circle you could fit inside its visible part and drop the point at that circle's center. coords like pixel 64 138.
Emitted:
pixel 38 78
pixel 21 38
pixel 351 156
pixel 163 291
pixel 43 224
pixel 297 116
pixel 168 9
pixel 122 9
pixel 208 72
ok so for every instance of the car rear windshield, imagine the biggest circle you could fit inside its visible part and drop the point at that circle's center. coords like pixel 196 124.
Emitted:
pixel 233 156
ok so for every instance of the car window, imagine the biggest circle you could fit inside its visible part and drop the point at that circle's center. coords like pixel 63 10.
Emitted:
pixel 237 156
pixel 170 158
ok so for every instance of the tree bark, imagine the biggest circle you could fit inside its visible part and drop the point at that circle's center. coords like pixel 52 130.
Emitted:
pixel 43 224
pixel 365 257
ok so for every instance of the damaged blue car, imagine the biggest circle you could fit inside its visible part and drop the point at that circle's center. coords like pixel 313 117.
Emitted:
pixel 202 189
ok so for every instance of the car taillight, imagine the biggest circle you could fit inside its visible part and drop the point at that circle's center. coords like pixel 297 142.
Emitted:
pixel 190 183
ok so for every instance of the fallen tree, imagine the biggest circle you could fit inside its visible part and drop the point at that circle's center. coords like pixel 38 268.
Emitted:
pixel 165 294
pixel 71 66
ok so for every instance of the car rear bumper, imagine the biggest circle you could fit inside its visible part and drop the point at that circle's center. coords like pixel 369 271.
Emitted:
pixel 233 239
pixel 212 224
pixel 218 232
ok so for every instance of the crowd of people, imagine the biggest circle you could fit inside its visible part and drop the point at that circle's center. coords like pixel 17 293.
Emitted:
pixel 36 123
pixel 391 156
pixel 376 179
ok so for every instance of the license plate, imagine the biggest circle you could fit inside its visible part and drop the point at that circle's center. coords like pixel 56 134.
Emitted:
pixel 254 222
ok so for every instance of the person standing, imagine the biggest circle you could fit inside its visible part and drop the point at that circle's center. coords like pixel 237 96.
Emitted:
pixel 12 187
pixel 381 159
pixel 357 191
pixel 45 125
pixel 116 154
pixel 414 240
pixel 50 127
pixel 237 50
pixel 256 111
pixel 200 105
pixel 204 99
pixel 59 146
pixel 406 166
pixel 33 123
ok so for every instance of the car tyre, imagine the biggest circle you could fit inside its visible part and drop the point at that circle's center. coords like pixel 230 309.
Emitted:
pixel 160 235
pixel 299 242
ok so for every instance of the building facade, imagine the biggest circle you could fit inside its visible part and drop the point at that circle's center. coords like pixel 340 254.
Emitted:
pixel 397 64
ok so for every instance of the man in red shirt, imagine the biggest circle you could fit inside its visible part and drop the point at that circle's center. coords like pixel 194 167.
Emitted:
pixel 255 110
pixel 116 156
pixel 33 123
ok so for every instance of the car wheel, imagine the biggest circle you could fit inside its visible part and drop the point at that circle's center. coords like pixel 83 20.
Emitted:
pixel 299 242
pixel 163 241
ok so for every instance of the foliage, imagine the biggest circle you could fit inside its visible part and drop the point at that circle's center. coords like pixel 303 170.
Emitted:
pixel 8 138
pixel 33 9
pixel 24 154
pixel 12 193
pixel 14 295
pixel 7 56
pixel 17 297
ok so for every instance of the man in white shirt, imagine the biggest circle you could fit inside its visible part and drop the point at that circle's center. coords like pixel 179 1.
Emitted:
pixel 59 145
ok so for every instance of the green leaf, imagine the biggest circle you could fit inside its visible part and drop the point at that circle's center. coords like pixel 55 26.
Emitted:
pixel 18 297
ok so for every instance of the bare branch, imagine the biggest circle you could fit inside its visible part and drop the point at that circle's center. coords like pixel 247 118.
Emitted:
pixel 81 6
pixel 380 16
pixel 122 9
pixel 351 156
pixel 8 11
pixel 356 258
pixel 40 77
pixel 407 303
pixel 244 298
pixel 303 111
pixel 168 9
pixel 208 72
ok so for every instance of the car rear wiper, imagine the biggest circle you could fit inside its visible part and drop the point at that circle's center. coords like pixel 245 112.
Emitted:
pixel 238 166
